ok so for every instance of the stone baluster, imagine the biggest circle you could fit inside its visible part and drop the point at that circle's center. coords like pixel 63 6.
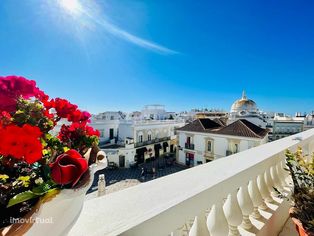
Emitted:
pixel 256 198
pixel 282 173
pixel 287 175
pixel 275 177
pixel 195 230
pixel 306 149
pixel 246 206
pixel 311 148
pixel 233 214
pixel 101 185
pixel 199 226
pixel 263 189
pixel 269 182
pixel 175 233
pixel 217 224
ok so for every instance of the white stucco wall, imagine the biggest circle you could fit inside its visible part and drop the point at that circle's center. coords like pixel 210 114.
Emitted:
pixel 104 127
pixel 220 144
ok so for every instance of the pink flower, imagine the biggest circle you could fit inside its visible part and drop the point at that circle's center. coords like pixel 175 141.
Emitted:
pixel 13 87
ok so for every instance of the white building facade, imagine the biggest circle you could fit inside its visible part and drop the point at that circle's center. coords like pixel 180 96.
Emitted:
pixel 204 140
pixel 309 121
pixel 142 140
pixel 155 112
pixel 109 129
pixel 284 126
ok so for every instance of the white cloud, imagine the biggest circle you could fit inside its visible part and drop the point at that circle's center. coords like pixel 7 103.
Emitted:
pixel 135 39
pixel 85 13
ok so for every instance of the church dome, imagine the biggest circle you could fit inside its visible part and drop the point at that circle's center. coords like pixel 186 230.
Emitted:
pixel 244 105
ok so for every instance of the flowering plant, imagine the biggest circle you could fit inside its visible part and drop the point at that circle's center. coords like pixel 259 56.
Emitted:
pixel 37 157
pixel 301 169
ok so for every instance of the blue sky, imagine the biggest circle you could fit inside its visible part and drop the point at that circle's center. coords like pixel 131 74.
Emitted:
pixel 121 55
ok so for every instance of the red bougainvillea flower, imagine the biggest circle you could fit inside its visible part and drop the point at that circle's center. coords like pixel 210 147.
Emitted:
pixel 14 87
pixel 5 118
pixel 75 132
pixel 21 142
pixel 79 116
pixel 63 107
pixel 91 131
pixel 68 168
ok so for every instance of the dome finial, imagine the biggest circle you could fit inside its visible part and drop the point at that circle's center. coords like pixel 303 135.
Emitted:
pixel 243 95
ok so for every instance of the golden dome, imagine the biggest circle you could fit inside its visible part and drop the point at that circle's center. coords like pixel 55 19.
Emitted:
pixel 244 104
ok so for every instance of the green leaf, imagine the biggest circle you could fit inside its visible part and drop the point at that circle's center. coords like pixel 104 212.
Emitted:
pixel 46 171
pixel 21 197
pixel 43 188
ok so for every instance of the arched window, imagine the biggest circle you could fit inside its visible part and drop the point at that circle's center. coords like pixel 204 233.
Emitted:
pixel 140 137
pixel 149 135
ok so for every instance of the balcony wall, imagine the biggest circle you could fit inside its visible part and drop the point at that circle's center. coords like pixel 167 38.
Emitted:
pixel 233 194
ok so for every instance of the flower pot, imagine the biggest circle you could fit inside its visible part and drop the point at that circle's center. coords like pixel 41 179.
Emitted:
pixel 55 215
pixel 298 225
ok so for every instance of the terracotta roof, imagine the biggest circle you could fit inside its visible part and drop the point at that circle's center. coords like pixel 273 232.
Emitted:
pixel 222 121
pixel 241 127
pixel 244 128
pixel 209 124
pixel 200 125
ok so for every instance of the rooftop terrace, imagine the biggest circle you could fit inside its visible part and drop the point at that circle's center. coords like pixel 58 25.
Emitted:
pixel 233 194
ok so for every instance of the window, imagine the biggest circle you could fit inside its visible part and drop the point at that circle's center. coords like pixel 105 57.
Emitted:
pixel 111 117
pixel 149 135
pixel 236 147
pixel 102 133
pixel 209 146
pixel 111 134
pixel 188 140
pixel 140 138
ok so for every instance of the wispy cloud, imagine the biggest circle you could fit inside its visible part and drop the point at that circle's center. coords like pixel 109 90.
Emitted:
pixel 83 12
pixel 135 39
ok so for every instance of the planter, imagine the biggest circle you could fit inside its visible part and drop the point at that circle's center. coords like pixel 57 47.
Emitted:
pixel 55 215
pixel 299 226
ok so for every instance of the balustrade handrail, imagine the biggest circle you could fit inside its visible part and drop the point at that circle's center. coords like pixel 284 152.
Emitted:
pixel 161 206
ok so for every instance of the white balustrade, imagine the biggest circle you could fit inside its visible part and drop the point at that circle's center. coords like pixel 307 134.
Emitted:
pixel 237 189
pixel 246 206
pixel 233 214
pixel 282 173
pixel 264 189
pixel 216 221
pixel 275 177
pixel 269 182
pixel 256 198
pixel 175 233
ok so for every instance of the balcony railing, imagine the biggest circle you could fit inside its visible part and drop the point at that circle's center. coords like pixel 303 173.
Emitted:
pixel 232 194
pixel 153 141
pixel 189 146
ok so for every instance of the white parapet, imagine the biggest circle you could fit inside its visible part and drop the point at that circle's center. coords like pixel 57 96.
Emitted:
pixel 230 196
